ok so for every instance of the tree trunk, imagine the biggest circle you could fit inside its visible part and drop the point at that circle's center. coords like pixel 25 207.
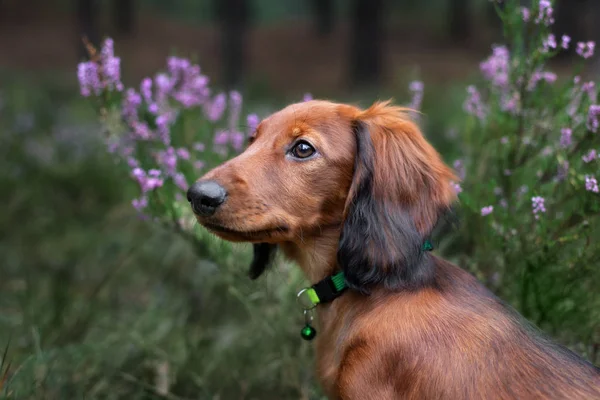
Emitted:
pixel 366 42
pixel 86 25
pixel 323 12
pixel 233 16
pixel 124 16
pixel 459 20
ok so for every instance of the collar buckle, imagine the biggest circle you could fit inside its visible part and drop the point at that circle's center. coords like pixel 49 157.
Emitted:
pixel 307 298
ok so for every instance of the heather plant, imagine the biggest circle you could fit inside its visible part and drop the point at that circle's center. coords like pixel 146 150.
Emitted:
pixel 529 198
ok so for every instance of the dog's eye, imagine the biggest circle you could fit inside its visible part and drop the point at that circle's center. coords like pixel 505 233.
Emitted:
pixel 302 149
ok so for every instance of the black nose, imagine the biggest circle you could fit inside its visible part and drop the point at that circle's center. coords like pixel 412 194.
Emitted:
pixel 205 197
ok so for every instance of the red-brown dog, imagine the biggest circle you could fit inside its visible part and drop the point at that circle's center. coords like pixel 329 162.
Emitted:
pixel 339 189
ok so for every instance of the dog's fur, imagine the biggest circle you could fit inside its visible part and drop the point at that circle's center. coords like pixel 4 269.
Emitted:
pixel 412 326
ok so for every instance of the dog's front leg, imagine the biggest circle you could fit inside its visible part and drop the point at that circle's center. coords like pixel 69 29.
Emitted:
pixel 363 377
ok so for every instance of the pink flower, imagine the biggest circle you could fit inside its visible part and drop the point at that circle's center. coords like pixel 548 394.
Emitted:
pixel 252 120
pixel 416 88
pixel 473 104
pixel 586 49
pixel 565 41
pixel 214 109
pixel 487 210
pixel 591 184
pixel 89 78
pixel 592 121
pixel 545 14
pixel 496 67
pixel 590 156
pixel 549 43
pixel 140 204
pixel 526 14
pixel 565 137
pixel 457 188
pixel 538 206
pixel 180 181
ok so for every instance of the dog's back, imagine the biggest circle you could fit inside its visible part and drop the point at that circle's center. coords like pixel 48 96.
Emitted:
pixel 458 341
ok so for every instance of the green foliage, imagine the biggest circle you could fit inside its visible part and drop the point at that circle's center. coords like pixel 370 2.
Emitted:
pixel 527 139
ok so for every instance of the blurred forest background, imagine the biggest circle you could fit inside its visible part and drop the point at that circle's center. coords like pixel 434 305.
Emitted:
pixel 95 303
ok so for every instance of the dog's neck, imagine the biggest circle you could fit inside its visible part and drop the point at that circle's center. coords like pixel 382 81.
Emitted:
pixel 315 255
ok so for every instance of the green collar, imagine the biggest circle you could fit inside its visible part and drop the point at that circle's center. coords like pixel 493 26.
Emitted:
pixel 326 291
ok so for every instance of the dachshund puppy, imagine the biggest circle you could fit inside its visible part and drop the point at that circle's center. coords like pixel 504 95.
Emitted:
pixel 342 190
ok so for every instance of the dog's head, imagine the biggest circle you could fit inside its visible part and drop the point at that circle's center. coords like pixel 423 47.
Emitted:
pixel 370 174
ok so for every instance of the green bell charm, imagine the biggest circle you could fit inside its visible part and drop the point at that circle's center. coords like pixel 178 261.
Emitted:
pixel 308 332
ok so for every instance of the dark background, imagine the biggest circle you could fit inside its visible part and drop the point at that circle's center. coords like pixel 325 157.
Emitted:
pixel 329 47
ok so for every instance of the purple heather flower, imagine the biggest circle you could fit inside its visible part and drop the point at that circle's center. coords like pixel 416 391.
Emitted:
pixel 416 88
pixel 538 206
pixel 163 123
pixel 199 146
pixel 549 77
pixel 147 182
pixel 565 41
pixel 307 97
pixel 237 140
pixel 590 156
pixel 132 162
pixel 504 140
pixel 459 167
pixel 141 130
pixel 473 104
pixel 199 164
pixel 590 89
pixel 89 78
pixel 592 121
pixel 146 90
pixel 221 138
pixel 164 85
pixel 180 181
pixel 168 160
pixel 487 210
pixel 183 153
pixel 154 173
pixel 111 66
pixel 252 120
pixel 591 184
pixel 140 204
pixel 511 104
pixel 495 68
pixel 586 49
pixel 565 137
pixel 526 14
pixel 545 14
pixel 214 109
pixel 456 186
pixel 549 43
pixel 131 103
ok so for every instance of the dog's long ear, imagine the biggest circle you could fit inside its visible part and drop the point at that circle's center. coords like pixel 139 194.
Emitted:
pixel 263 256
pixel 399 189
